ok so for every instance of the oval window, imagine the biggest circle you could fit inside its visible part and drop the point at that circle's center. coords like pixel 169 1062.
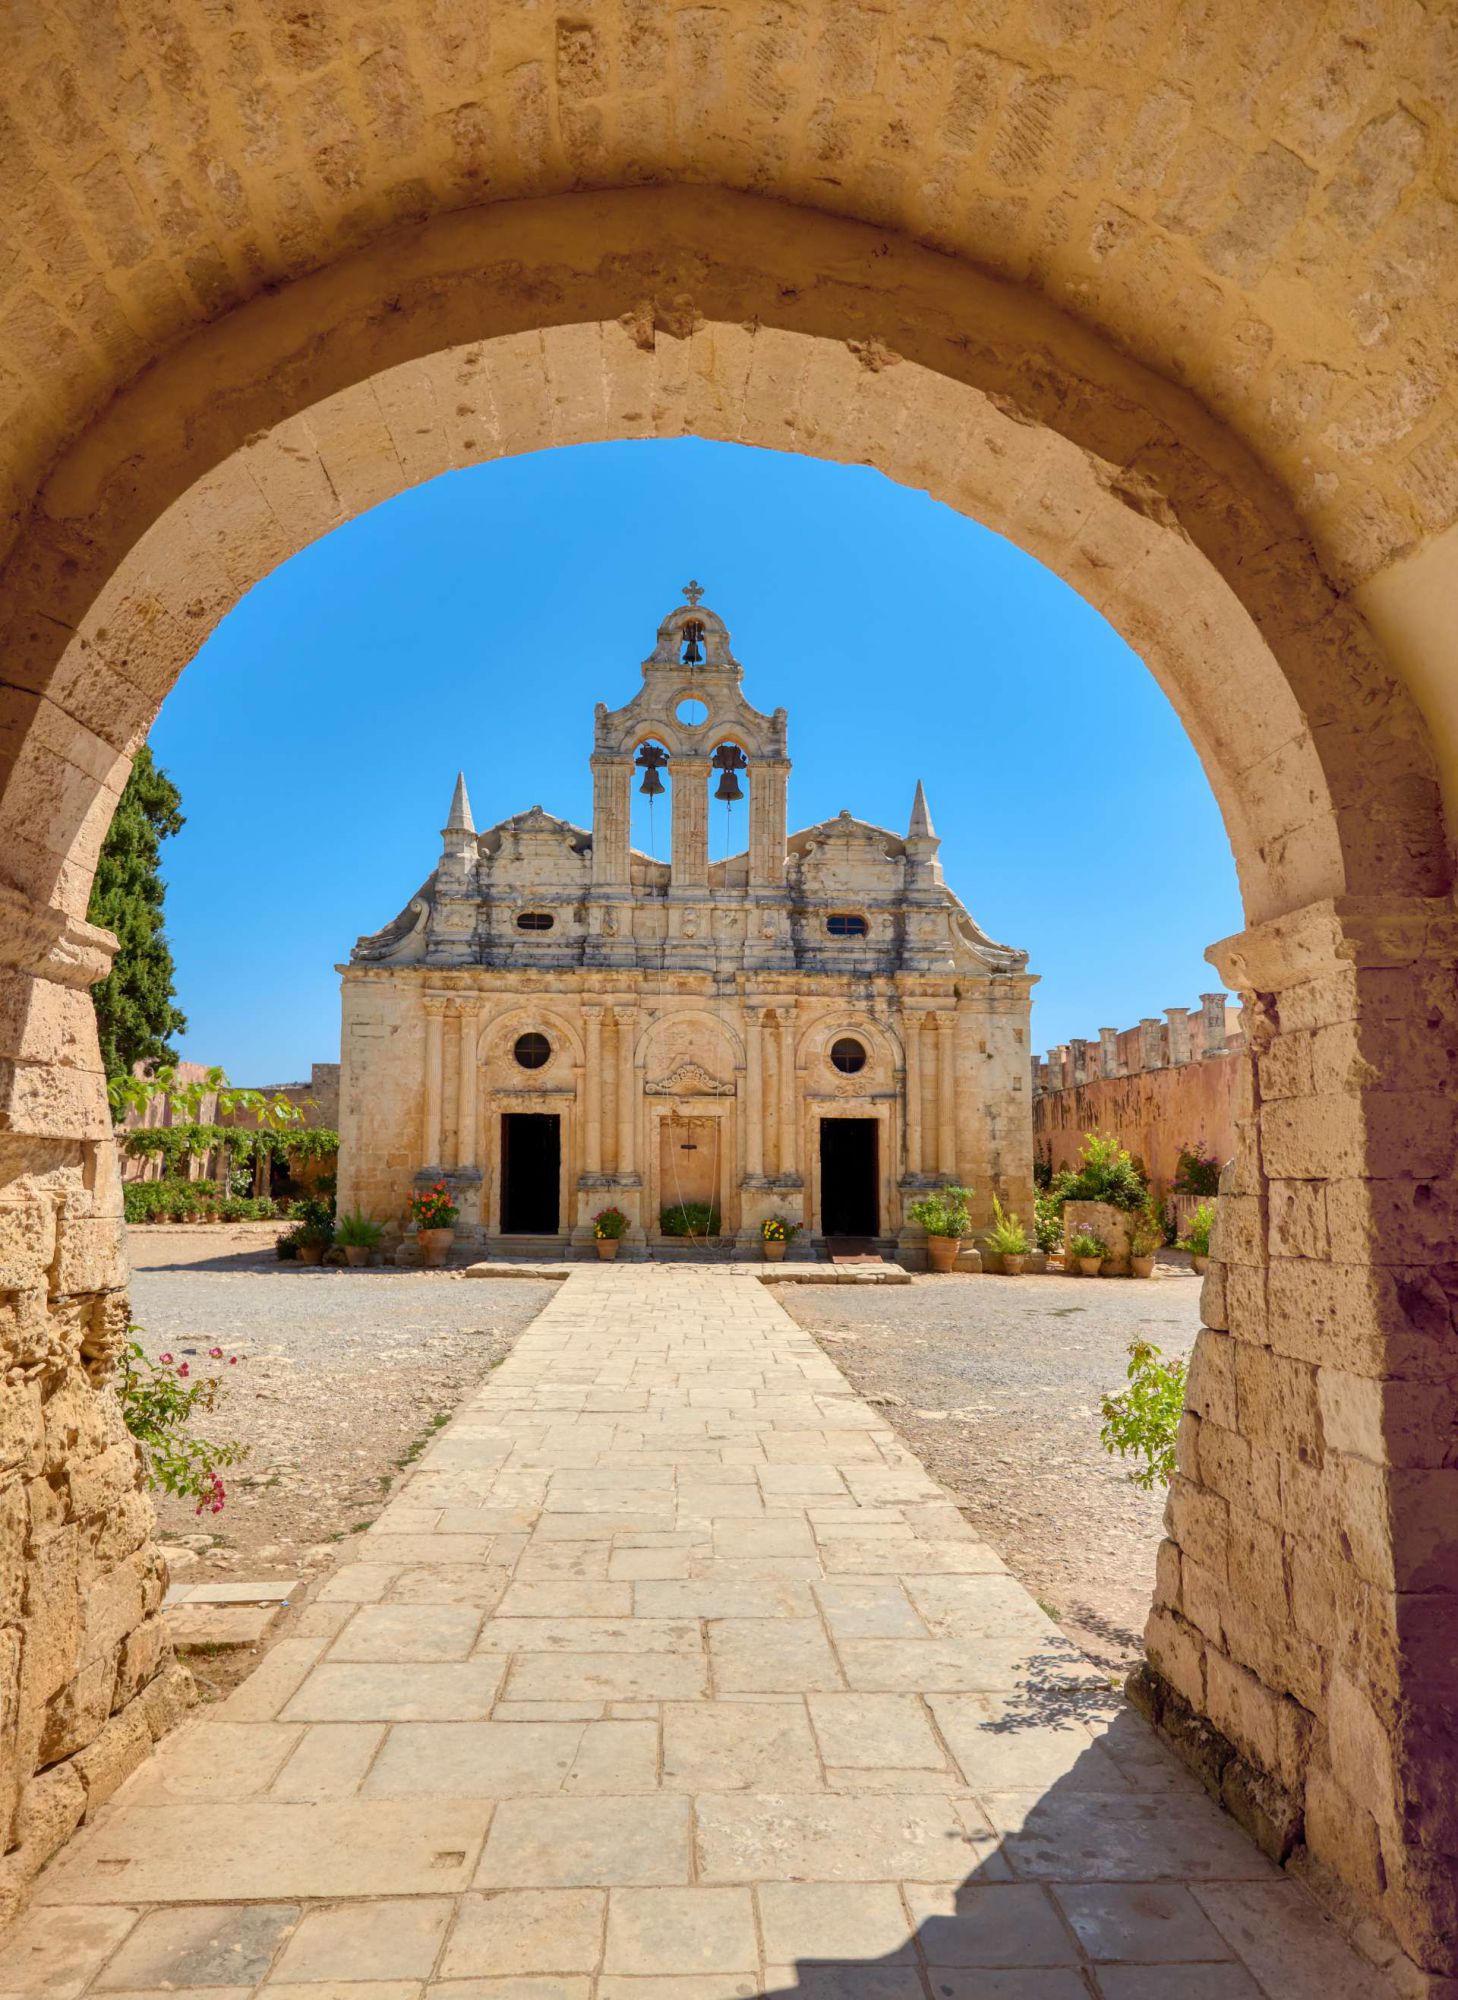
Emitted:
pixel 848 1055
pixel 692 712
pixel 531 1051
pixel 844 924
pixel 535 920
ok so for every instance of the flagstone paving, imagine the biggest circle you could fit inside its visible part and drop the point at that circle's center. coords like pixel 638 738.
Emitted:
pixel 670 1675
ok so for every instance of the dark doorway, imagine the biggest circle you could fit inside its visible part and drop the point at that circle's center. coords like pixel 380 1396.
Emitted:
pixel 531 1167
pixel 848 1195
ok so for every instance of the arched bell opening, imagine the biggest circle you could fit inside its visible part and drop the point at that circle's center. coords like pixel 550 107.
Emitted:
pixel 652 800
pixel 729 782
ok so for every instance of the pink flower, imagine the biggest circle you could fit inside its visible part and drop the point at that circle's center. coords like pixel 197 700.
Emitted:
pixel 164 1359
pixel 215 1353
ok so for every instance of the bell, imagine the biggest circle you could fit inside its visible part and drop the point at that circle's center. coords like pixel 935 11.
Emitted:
pixel 728 787
pixel 693 632
pixel 650 761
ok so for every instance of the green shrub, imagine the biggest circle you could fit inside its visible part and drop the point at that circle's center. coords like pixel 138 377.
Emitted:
pixel 689 1218
pixel 357 1232
pixel 1007 1236
pixel 943 1213
pixel 1086 1244
pixel 157 1404
pixel 1198 1172
pixel 609 1225
pixel 1106 1172
pixel 315 1220
pixel 1143 1420
pixel 1048 1221
pixel 1196 1238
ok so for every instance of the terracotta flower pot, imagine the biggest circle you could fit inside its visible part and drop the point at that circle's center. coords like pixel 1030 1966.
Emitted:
pixel 1141 1267
pixel 1014 1263
pixel 941 1252
pixel 1201 1264
pixel 1089 1267
pixel 356 1255
pixel 434 1244
pixel 311 1253
pixel 774 1251
pixel 607 1247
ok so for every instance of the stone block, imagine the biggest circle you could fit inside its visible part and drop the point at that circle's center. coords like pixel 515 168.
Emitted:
pixel 1239 1234
pixel 124 1742
pixel 1204 1602
pixel 1210 1383
pixel 53 1611
pixel 1297 1226
pixel 1199 1521
pixel 77 1715
pixel 1224 1465
pixel 1243 1709
pixel 1245 1301
pixel 1277 1401
pixel 1284 1067
pixel 1343 1832
pixel 1167 1582
pixel 1177 1651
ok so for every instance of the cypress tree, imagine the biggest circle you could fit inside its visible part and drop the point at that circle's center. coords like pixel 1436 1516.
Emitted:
pixel 134 1011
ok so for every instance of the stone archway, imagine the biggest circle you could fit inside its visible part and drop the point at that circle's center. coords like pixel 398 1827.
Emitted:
pixel 1296 1642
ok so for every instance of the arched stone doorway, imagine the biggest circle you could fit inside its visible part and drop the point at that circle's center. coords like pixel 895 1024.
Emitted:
pixel 1297 1637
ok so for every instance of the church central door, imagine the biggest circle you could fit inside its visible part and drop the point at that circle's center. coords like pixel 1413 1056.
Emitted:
pixel 849 1198
pixel 531 1173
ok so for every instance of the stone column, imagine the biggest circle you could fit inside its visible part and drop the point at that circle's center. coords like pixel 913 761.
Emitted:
pixel 466 1086
pixel 1078 1056
pixel 592 1091
pixel 911 1026
pixel 946 1093
pixel 1307 1596
pixel 1212 1024
pixel 689 864
pixel 785 1157
pixel 1177 1027
pixel 434 1080
pixel 1108 1052
pixel 753 1089
pixel 626 1020
pixel 768 780
pixel 612 801
pixel 1151 1043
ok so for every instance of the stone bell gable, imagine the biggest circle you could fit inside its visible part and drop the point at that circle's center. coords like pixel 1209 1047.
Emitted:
pixel 812 1027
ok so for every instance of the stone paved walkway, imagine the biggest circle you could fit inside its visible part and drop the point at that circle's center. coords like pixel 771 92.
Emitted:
pixel 670 1675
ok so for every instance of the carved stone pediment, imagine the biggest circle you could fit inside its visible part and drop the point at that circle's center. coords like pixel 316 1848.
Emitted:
pixel 688 1079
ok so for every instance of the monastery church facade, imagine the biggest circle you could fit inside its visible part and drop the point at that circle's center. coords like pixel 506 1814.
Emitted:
pixel 557 1023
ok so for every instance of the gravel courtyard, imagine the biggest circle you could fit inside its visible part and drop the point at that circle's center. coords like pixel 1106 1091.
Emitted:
pixel 995 1385
pixel 342 1376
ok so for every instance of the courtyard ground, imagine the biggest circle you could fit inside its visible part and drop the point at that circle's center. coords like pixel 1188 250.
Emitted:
pixel 995 1385
pixel 668 1674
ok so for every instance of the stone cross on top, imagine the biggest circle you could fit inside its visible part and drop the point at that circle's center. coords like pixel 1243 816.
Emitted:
pixel 693 590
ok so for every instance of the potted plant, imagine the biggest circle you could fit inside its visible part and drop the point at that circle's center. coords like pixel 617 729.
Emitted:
pixel 315 1231
pixel 609 1227
pixel 358 1236
pixel 1196 1238
pixel 1144 1239
pixel 1088 1252
pixel 1008 1240
pixel 944 1217
pixel 433 1217
pixel 776 1233
pixel 689 1218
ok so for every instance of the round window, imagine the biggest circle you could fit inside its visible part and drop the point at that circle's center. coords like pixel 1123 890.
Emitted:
pixel 691 712
pixel 848 1055
pixel 531 1051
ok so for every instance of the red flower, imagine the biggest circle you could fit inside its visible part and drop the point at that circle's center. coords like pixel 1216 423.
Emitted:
pixel 183 1369
pixel 215 1353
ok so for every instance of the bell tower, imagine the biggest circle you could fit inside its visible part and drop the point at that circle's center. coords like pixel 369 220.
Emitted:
pixel 692 704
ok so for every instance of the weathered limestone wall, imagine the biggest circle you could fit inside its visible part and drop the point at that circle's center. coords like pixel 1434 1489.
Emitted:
pixel 1302 1637
pixel 1153 1112
pixel 86 1678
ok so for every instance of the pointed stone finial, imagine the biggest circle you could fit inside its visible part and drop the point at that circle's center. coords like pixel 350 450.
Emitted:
pixel 460 820
pixel 921 827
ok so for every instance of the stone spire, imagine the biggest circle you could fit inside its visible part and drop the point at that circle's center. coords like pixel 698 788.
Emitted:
pixel 921 827
pixel 460 820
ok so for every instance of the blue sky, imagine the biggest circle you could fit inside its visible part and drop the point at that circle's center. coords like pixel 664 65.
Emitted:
pixel 473 622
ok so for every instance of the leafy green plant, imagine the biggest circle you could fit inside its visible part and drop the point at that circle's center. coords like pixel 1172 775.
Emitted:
pixel 778 1229
pixel 689 1218
pixel 1086 1244
pixel 1007 1236
pixel 609 1225
pixel 1142 1421
pixel 432 1208
pixel 158 1403
pixel 315 1220
pixel 357 1232
pixel 1196 1238
pixel 1106 1172
pixel 943 1213
pixel 1144 1237
pixel 1197 1171
pixel 1048 1221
